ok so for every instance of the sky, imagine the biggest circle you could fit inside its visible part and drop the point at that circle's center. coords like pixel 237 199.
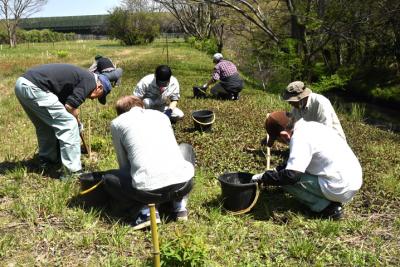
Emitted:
pixel 57 8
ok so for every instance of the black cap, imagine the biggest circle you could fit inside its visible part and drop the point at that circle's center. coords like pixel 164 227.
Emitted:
pixel 163 74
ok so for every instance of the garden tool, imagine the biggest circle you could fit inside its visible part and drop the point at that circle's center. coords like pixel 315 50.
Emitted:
pixel 85 150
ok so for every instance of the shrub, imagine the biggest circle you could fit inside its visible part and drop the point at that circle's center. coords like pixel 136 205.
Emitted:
pixel 187 250
pixel 207 45
pixel 133 28
pixel 62 53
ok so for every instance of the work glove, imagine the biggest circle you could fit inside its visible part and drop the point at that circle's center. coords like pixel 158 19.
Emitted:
pixel 168 112
pixel 80 127
pixel 280 167
pixel 257 178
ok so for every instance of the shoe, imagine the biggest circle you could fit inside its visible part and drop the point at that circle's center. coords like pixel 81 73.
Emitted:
pixel 181 216
pixel 234 96
pixel 334 211
pixel 68 175
pixel 143 221
pixel 46 165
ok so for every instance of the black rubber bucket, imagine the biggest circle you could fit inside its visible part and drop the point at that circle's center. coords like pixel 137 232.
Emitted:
pixel 198 92
pixel 203 120
pixel 238 192
pixel 92 192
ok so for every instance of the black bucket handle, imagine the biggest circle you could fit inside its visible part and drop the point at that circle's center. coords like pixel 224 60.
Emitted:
pixel 205 123
pixel 250 206
pixel 90 189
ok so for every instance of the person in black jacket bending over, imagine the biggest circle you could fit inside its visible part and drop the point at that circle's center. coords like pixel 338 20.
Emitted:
pixel 51 95
pixel 104 65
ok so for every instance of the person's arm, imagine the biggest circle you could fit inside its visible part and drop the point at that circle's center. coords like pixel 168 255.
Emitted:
pixel 214 77
pixel 173 104
pixel 73 111
pixel 278 178
pixel 120 151
pixel 140 89
pixel 93 67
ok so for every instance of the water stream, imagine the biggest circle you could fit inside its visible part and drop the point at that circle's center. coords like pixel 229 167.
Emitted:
pixel 385 117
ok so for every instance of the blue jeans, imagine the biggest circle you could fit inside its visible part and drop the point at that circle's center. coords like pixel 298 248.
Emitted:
pixel 114 76
pixel 308 191
pixel 56 129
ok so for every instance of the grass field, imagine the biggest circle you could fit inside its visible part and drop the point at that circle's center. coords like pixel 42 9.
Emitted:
pixel 39 228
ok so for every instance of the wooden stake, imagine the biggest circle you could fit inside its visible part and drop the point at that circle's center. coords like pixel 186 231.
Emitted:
pixel 89 140
pixel 268 156
pixel 154 235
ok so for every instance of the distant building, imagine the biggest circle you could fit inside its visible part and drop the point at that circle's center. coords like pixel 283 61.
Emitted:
pixel 84 25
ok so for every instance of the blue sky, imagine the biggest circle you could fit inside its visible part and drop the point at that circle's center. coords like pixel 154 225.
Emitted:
pixel 56 8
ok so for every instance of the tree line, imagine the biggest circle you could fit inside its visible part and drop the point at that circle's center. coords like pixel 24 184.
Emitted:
pixel 347 44
pixel 352 44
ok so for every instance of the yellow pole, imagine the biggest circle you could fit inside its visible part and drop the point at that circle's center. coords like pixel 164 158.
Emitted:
pixel 154 235
pixel 268 151
pixel 268 156
pixel 90 140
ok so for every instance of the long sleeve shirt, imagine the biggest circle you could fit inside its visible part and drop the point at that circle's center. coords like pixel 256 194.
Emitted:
pixel 146 148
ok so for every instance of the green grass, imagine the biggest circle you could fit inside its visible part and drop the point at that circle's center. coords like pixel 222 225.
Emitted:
pixel 38 227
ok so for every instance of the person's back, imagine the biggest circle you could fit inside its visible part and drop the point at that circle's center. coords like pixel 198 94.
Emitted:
pixel 104 64
pixel 319 109
pixel 318 150
pixel 311 106
pixel 153 153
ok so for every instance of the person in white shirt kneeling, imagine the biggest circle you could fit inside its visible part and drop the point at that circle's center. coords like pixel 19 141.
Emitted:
pixel 153 168
pixel 322 171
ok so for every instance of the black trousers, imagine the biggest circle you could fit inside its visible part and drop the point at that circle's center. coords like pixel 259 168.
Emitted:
pixel 128 201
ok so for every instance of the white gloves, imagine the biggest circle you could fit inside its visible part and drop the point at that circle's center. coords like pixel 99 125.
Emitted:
pixel 257 177
pixel 80 127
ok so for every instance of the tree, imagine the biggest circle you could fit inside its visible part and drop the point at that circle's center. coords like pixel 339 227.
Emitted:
pixel 140 5
pixel 133 28
pixel 198 19
pixel 12 11
pixel 253 11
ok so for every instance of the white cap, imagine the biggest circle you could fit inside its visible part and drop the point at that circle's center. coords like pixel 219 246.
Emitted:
pixel 218 56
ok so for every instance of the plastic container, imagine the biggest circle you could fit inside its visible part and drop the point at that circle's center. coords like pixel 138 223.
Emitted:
pixel 238 192
pixel 203 120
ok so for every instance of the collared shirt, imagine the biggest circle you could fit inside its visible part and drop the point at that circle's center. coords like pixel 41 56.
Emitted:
pixel 223 69
pixel 146 148
pixel 318 150
pixel 147 88
pixel 319 109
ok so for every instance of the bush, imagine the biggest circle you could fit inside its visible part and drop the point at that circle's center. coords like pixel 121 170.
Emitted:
pixel 38 36
pixel 62 53
pixel 133 28
pixel 207 45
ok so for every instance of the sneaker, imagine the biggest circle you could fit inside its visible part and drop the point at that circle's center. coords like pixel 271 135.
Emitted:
pixel 334 211
pixel 181 216
pixel 234 96
pixel 143 221
pixel 67 175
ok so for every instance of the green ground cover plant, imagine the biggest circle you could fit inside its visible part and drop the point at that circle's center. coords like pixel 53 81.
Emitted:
pixel 38 227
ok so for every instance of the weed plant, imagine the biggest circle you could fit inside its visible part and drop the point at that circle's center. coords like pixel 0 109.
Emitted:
pixel 38 227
